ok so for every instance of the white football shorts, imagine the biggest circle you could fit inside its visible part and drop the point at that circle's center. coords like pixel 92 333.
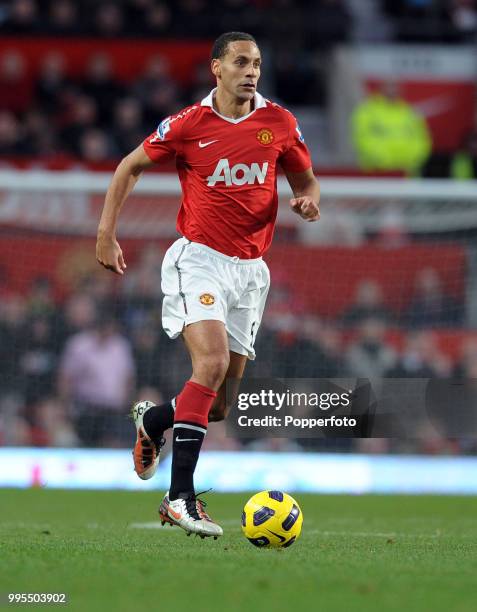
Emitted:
pixel 201 284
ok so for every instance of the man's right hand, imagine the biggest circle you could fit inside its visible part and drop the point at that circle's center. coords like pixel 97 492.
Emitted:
pixel 109 253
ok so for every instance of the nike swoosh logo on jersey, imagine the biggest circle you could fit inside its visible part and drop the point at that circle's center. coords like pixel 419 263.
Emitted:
pixel 206 144
pixel 186 439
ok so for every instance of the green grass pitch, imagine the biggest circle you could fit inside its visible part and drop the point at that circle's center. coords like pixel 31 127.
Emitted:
pixel 365 553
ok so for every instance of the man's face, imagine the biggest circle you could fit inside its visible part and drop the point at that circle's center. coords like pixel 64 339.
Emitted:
pixel 239 70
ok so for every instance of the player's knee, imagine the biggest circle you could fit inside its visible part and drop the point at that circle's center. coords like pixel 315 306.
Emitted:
pixel 212 369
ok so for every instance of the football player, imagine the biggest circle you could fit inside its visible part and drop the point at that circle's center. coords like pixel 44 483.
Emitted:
pixel 227 149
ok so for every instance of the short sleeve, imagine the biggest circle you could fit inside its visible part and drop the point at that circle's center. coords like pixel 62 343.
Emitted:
pixel 296 156
pixel 164 143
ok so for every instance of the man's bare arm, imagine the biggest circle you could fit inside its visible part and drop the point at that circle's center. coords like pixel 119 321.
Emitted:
pixel 108 251
pixel 306 190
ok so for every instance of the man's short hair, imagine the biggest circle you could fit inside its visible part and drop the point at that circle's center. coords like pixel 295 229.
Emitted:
pixel 220 46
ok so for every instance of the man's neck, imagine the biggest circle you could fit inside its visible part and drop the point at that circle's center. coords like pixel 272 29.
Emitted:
pixel 230 106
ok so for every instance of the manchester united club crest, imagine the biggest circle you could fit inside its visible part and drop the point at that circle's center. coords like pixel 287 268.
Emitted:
pixel 265 136
pixel 207 299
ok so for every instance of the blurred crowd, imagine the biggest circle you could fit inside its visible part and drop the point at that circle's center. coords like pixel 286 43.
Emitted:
pixel 95 118
pixel 70 370
pixel 432 21
pixel 317 23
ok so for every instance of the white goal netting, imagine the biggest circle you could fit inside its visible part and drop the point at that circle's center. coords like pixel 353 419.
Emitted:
pixel 383 285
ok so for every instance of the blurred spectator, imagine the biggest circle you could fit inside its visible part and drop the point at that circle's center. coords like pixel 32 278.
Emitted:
pixel 463 165
pixel 283 351
pixel 79 315
pixel 23 18
pixel 40 300
pixel 430 305
pixel 100 288
pixel 95 146
pixel 201 83
pixel 467 363
pixel 464 18
pixel 147 356
pixel 156 23
pixel 11 135
pixel 64 18
pixel 284 22
pixel 136 9
pixel 153 351
pixel 51 82
pixel 128 130
pixel 40 140
pixel 327 22
pixel 420 358
pixel 369 356
pixel 14 428
pixel 388 134
pixel 12 319
pixel 419 20
pixel 15 85
pixel 37 360
pixel 368 303
pixel 101 85
pixel 97 377
pixel 239 15
pixel 149 262
pixel 144 302
pixel 157 91
pixel 192 18
pixel 82 116
pixel 296 76
pixel 330 342
pixel 109 20
pixel 51 425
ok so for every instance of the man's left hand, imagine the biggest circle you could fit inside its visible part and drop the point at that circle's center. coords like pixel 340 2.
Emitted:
pixel 306 207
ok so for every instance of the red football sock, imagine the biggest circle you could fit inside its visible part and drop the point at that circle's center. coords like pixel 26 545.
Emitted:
pixel 190 426
pixel 193 404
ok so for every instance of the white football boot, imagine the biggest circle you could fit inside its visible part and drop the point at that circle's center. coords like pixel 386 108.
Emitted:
pixel 146 452
pixel 190 515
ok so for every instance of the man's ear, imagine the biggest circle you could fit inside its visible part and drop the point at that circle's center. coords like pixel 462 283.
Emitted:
pixel 215 67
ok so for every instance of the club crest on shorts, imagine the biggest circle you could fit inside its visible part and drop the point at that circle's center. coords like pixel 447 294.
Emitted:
pixel 207 299
pixel 265 136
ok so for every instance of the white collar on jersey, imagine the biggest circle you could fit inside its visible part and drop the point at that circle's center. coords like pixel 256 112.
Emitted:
pixel 260 102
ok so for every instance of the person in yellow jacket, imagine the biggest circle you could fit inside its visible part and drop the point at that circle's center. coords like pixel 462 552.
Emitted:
pixel 463 165
pixel 388 134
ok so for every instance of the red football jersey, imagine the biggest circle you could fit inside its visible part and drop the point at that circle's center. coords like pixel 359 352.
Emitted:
pixel 227 169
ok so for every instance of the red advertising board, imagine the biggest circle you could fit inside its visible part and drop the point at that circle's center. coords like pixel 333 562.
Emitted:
pixel 129 57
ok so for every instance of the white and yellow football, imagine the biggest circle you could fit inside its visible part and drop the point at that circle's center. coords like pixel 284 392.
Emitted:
pixel 272 519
